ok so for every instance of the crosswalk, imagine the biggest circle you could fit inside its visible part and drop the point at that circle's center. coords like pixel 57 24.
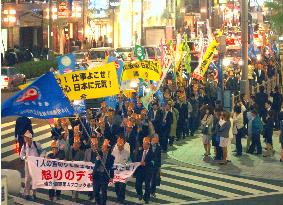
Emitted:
pixel 179 184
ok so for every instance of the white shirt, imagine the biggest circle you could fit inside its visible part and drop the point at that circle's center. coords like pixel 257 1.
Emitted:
pixel 121 157
pixel 30 151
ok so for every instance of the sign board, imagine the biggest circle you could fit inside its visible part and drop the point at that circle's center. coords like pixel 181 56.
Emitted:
pixel 62 10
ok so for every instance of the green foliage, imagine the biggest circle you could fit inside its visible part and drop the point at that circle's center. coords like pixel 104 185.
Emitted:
pixel 33 69
pixel 276 7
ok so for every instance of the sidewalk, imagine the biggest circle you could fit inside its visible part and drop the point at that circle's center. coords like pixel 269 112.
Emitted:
pixel 191 151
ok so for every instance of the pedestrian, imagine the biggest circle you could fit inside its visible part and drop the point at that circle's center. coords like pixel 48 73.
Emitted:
pixel 144 172
pixel 75 154
pixel 257 128
pixel 22 125
pixel 276 105
pixel 155 115
pixel 206 124
pixel 59 155
pixel 121 152
pixel 261 98
pixel 238 129
pixel 223 132
pixel 166 126
pixel 90 156
pixel 182 108
pixel 103 173
pixel 281 135
pixel 268 132
pixel 218 153
pixel 30 148
pixel 173 130
pixel 156 152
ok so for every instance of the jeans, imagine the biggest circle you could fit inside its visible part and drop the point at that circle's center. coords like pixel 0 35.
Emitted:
pixel 239 143
pixel 255 144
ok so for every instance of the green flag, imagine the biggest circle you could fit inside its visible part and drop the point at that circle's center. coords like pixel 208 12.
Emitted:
pixel 139 52
pixel 188 55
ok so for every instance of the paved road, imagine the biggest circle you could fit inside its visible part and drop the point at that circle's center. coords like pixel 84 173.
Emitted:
pixel 181 183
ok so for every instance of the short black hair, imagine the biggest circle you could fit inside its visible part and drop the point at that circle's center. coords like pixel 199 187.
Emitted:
pixel 237 109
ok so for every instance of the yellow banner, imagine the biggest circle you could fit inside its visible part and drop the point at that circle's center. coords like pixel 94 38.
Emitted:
pixel 23 86
pixel 95 83
pixel 148 70
pixel 209 53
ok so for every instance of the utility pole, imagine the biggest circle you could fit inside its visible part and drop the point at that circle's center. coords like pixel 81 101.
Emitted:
pixel 50 52
pixel 142 33
pixel 244 85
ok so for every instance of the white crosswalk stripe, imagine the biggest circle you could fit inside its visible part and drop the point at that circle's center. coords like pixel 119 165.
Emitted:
pixel 179 184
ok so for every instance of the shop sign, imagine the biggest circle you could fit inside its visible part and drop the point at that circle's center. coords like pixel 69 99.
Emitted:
pixel 62 10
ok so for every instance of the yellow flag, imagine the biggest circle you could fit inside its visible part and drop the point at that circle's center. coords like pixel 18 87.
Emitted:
pixel 206 60
pixel 147 70
pixel 94 83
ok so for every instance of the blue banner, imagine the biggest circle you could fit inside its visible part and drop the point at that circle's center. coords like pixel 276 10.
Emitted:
pixel 159 95
pixel 66 63
pixel 119 66
pixel 111 101
pixel 79 107
pixel 42 99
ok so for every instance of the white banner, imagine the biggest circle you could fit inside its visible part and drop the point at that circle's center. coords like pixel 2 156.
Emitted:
pixel 67 175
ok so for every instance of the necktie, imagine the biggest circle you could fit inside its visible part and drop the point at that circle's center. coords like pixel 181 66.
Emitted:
pixel 143 156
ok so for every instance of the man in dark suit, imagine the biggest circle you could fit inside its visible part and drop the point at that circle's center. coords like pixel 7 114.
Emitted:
pixel 22 125
pixel 111 131
pixel 155 179
pixel 276 105
pixel 166 126
pixel 155 115
pixel 144 171
pixel 103 172
pixel 182 107
pixel 260 99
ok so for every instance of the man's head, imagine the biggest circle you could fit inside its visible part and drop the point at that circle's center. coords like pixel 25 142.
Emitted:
pixel 155 139
pixel 146 143
pixel 54 147
pixel 120 143
pixel 105 146
pixel 28 137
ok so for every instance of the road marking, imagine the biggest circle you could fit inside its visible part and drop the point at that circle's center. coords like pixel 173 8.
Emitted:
pixel 213 181
pixel 237 179
pixel 200 187
pixel 12 131
pixel 7 124
pixel 37 138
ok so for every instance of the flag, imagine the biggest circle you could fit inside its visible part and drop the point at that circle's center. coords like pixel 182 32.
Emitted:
pixel 79 106
pixel 139 52
pixel 111 101
pixel 159 95
pixel 42 99
pixel 188 55
pixel 119 66
pixel 66 63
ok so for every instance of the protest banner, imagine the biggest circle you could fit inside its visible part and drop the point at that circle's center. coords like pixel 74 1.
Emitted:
pixel 94 83
pixel 147 70
pixel 66 63
pixel 206 60
pixel 71 175
pixel 122 172
pixel 41 99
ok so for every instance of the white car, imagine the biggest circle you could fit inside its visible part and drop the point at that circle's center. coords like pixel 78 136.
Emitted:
pixel 10 78
pixel 97 56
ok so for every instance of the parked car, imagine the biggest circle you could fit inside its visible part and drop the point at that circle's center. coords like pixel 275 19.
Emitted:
pixel 97 56
pixel 10 78
pixel 126 53
pixel 81 57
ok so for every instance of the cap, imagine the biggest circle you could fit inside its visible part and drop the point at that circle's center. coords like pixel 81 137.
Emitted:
pixel 54 144
pixel 146 140
pixel 77 139
pixel 28 134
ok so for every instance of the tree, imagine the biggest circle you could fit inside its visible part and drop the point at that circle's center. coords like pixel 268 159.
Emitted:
pixel 276 7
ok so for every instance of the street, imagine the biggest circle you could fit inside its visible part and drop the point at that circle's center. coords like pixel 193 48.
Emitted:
pixel 181 183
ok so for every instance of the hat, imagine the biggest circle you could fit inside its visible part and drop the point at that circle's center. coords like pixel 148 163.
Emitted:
pixel 54 144
pixel 146 140
pixel 120 141
pixel 77 139
pixel 28 134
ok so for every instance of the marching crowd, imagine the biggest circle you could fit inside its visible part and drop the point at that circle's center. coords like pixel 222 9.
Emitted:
pixel 132 133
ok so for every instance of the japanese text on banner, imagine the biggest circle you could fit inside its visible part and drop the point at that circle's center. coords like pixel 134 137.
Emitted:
pixel 149 70
pixel 94 83
pixel 60 175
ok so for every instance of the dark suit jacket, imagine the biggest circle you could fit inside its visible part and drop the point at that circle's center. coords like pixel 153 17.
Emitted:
pixel 22 125
pixel 108 165
pixel 111 132
pixel 166 126
pixel 157 121
pixel 183 112
pixel 147 169
pixel 261 99
pixel 156 156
